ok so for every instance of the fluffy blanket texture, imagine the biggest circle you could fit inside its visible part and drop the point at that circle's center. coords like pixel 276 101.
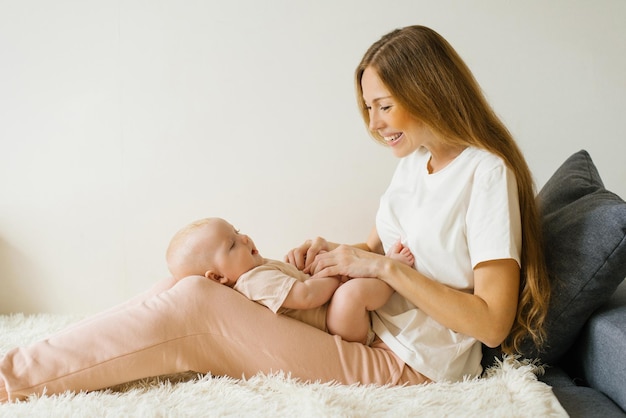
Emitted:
pixel 509 390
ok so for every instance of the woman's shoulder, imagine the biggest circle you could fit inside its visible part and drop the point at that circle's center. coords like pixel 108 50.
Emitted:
pixel 490 170
pixel 483 156
pixel 483 160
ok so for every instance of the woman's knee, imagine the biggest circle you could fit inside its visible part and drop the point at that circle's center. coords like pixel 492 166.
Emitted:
pixel 205 294
pixel 198 286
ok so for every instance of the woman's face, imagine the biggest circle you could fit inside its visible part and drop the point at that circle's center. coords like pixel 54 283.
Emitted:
pixel 402 132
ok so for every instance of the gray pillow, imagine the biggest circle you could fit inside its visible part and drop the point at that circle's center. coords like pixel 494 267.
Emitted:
pixel 584 227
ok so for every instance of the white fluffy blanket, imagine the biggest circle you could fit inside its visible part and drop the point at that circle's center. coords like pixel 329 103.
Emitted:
pixel 509 390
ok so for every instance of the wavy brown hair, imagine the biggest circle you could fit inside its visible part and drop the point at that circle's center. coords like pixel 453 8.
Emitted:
pixel 427 77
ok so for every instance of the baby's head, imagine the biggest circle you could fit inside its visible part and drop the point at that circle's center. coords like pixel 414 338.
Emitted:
pixel 212 248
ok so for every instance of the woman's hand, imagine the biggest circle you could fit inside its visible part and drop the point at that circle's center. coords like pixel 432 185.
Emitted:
pixel 347 261
pixel 305 254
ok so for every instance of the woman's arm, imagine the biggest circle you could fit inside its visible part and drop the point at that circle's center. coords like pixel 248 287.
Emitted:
pixel 486 315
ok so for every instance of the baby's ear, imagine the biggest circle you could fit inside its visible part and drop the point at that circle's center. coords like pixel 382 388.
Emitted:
pixel 211 275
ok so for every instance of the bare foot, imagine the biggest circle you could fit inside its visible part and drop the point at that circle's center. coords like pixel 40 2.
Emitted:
pixel 402 254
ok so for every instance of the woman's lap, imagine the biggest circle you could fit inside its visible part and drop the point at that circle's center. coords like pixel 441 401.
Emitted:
pixel 195 325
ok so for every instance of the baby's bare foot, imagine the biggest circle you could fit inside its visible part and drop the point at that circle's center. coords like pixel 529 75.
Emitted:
pixel 402 254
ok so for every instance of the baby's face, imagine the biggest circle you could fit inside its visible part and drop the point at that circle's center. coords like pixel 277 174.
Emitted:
pixel 234 253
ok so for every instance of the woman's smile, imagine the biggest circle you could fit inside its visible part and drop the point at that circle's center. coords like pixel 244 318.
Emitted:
pixel 392 140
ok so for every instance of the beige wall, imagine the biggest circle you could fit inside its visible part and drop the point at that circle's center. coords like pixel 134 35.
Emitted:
pixel 122 121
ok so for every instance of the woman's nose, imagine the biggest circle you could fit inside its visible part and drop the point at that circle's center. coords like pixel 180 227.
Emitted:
pixel 245 238
pixel 375 122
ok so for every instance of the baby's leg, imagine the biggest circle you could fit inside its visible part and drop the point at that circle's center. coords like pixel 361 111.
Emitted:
pixel 349 309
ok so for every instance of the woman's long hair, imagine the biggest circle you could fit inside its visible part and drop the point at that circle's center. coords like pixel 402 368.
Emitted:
pixel 429 79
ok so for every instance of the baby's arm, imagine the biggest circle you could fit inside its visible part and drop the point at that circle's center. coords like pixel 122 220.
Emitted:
pixel 311 293
pixel 401 253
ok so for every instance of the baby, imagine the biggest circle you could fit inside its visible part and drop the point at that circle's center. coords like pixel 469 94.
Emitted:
pixel 213 248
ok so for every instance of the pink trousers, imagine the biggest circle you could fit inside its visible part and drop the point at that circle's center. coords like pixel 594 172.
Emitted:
pixel 193 325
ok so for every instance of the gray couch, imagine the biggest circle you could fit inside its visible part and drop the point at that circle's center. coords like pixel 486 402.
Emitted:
pixel 590 379
pixel 584 228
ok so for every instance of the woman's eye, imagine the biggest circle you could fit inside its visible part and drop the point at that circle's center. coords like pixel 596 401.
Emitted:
pixel 385 108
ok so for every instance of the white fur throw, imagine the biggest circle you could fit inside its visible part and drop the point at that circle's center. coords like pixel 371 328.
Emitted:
pixel 509 390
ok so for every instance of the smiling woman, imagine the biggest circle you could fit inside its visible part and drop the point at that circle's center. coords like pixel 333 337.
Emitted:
pixel 461 200
pixel 461 290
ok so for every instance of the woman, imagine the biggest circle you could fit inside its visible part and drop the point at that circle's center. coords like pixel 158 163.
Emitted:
pixel 458 163
pixel 462 199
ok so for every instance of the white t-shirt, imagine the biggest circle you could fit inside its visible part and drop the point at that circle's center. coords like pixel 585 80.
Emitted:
pixel 451 220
